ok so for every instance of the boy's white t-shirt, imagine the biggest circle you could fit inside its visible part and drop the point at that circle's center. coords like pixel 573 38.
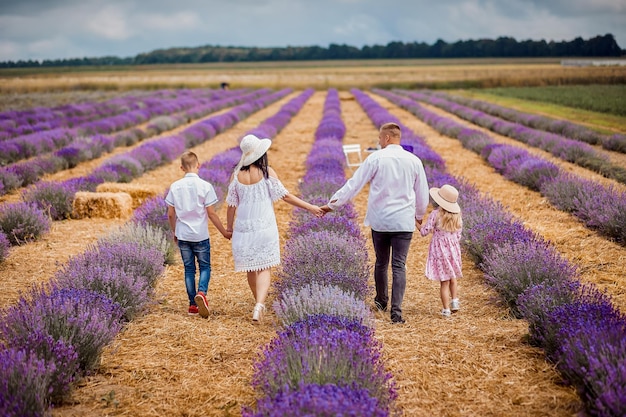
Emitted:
pixel 190 196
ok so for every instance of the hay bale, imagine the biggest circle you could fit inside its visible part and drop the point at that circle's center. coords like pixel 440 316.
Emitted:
pixel 103 205
pixel 138 192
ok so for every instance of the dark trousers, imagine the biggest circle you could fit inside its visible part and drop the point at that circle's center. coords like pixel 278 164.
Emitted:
pixel 394 245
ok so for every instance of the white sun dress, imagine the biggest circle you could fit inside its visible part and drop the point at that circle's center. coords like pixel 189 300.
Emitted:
pixel 255 242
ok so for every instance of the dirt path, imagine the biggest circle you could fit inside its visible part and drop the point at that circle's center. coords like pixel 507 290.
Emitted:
pixel 167 363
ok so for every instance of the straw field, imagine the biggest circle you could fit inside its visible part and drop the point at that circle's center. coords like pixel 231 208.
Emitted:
pixel 166 363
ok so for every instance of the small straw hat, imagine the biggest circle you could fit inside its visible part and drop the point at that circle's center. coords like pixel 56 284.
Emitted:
pixel 252 148
pixel 446 197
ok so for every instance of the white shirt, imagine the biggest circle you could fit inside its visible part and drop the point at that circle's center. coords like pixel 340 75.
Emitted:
pixel 190 196
pixel 398 193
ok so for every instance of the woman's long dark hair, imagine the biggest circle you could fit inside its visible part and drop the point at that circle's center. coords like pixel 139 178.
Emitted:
pixel 260 163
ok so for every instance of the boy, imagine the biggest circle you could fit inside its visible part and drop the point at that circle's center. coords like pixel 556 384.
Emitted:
pixel 190 203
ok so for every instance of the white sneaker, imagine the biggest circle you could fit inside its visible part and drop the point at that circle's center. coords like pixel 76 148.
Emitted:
pixel 455 305
pixel 445 312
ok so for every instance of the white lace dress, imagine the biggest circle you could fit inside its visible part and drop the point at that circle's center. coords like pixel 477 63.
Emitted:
pixel 255 241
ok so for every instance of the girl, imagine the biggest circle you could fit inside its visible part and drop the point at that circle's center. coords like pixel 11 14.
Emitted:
pixel 444 253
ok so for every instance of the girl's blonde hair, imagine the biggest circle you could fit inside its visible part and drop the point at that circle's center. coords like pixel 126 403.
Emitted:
pixel 449 222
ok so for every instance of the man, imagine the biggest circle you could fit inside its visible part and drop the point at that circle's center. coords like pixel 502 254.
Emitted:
pixel 398 198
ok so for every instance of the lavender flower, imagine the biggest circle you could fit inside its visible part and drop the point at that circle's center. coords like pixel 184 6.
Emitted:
pixel 330 222
pixel 83 319
pixel 324 350
pixel 514 267
pixel 296 304
pixel 146 236
pixel 152 212
pixel 592 353
pixel 327 400
pixel 328 258
pixel 23 222
pixel 537 304
pixel 24 384
pixel 5 245
pixel 134 259
pixel 54 198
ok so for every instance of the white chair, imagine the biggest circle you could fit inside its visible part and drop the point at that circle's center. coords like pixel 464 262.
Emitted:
pixel 356 159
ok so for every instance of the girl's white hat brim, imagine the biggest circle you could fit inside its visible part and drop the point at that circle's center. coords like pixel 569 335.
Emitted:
pixel 446 197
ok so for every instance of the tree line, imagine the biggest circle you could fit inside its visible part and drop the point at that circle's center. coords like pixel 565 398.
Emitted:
pixel 502 47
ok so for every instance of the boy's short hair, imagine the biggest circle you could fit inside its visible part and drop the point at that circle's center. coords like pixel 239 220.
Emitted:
pixel 189 160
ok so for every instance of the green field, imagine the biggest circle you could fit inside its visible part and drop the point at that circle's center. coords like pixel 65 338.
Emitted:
pixel 599 98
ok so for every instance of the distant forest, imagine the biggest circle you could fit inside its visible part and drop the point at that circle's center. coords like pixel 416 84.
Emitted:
pixel 503 47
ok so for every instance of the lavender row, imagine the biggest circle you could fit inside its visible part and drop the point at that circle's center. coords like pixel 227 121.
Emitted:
pixel 55 335
pixel 19 123
pixel 578 327
pixel 81 149
pixel 600 208
pixel 29 145
pixel 325 359
pixel 563 148
pixel 616 142
pixel 28 220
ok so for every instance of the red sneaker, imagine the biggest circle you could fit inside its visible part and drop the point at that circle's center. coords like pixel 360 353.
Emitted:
pixel 203 306
pixel 193 310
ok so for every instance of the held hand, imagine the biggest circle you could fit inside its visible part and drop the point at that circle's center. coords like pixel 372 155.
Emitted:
pixel 317 211
pixel 228 235
pixel 326 209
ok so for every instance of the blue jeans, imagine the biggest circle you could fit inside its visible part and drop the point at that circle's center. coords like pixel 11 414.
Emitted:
pixel 394 245
pixel 190 251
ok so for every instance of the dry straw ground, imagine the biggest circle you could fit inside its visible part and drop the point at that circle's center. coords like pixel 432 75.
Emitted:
pixel 166 363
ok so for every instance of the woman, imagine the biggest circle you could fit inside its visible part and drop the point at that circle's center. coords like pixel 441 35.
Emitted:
pixel 250 216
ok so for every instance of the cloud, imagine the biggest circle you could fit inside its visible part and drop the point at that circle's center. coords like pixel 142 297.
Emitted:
pixel 129 27
pixel 108 22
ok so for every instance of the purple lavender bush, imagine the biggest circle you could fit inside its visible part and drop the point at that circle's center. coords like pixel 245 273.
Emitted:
pixel 24 384
pixel 131 292
pixel 54 198
pixel 5 246
pixel 23 222
pixel 536 305
pixel 330 222
pixel 592 353
pixel 324 350
pixel 9 180
pixel 61 361
pixel 295 304
pixel 532 172
pixel 146 236
pixel 325 257
pixel 320 400
pixel 135 260
pixel 512 268
pixel 152 212
pixel 83 319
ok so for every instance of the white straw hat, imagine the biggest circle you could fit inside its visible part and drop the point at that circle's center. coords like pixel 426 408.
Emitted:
pixel 252 148
pixel 446 197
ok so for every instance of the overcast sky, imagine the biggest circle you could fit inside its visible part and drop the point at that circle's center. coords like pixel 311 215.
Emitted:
pixel 52 29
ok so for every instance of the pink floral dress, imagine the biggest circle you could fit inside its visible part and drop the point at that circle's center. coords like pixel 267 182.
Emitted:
pixel 444 253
